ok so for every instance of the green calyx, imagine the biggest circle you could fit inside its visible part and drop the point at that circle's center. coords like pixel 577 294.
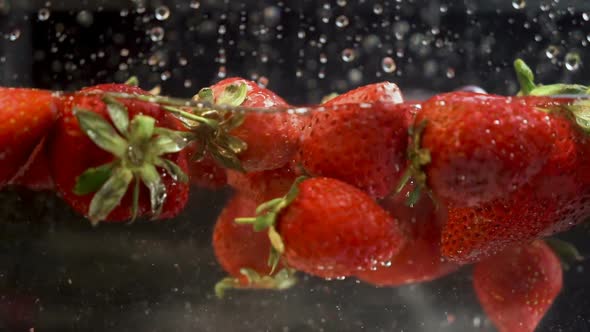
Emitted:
pixel 283 279
pixel 139 148
pixel 418 157
pixel 528 87
pixel 266 219
pixel 567 252
pixel 579 110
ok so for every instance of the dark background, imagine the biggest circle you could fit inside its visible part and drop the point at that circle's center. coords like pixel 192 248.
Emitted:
pixel 57 273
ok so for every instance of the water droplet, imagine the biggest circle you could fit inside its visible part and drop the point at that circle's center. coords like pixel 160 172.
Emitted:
pixel 586 16
pixel 348 55
pixel 188 83
pixel 182 61
pixel 341 3
pixel 157 34
pixel 378 9
pixel 162 13
pixel 545 5
pixel 165 76
pixel 388 65
pixel 552 51
pixel 85 18
pixel 194 4
pixel 443 8
pixel 450 72
pixel 572 61
pixel 43 14
pixel 519 4
pixel 301 34
pixel 262 81
pixel 323 58
pixel 14 35
pixel 124 52
pixel 222 72
pixel 342 21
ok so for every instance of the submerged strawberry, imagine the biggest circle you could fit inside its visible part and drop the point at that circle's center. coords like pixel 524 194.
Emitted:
pixel 26 116
pixel 103 145
pixel 328 228
pixel 420 259
pixel 518 286
pixel 263 186
pixel 361 144
pixel 242 252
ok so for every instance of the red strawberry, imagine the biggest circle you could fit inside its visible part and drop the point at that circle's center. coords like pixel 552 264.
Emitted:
pixel 35 174
pixel 361 144
pixel 26 116
pixel 262 186
pixel 253 141
pixel 328 228
pixel 479 147
pixel 554 200
pixel 242 252
pixel 517 286
pixel 420 260
pixel 385 92
pixel 88 154
pixel 206 173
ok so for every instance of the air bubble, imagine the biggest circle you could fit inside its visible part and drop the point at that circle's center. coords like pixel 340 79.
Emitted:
pixel 519 4
pixel 342 21
pixel 348 55
pixel 388 65
pixel 572 61
pixel 43 14
pixel 378 9
pixel 162 13
pixel 157 34
pixel 14 35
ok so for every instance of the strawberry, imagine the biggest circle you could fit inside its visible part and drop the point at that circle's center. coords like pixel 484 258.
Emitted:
pixel 252 141
pixel 102 145
pixel 474 147
pixel 384 92
pixel 262 186
pixel 206 173
pixel 361 144
pixel 26 116
pixel 420 259
pixel 517 286
pixel 552 201
pixel 328 228
pixel 242 252
pixel 35 174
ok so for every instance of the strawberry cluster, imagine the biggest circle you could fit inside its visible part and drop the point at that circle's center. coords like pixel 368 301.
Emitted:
pixel 365 185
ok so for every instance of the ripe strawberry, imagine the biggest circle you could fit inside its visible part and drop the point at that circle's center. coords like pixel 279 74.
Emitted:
pixel 35 174
pixel 206 173
pixel 420 259
pixel 88 154
pixel 476 147
pixel 384 92
pixel 361 144
pixel 262 186
pixel 517 286
pixel 26 116
pixel 328 228
pixel 242 252
pixel 253 141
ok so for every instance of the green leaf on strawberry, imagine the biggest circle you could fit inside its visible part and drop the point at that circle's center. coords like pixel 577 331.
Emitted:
pixel 138 147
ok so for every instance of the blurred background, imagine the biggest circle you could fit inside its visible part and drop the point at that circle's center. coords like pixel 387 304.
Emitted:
pixel 59 274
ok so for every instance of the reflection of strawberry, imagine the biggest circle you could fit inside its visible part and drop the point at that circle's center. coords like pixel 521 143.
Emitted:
pixel 361 144
pixel 105 145
pixel 554 200
pixel 26 116
pixel 517 286
pixel 262 186
pixel 328 228
pixel 420 260
pixel 242 252
pixel 479 147
pixel 384 92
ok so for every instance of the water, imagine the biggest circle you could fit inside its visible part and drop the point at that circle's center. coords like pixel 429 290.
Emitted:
pixel 63 274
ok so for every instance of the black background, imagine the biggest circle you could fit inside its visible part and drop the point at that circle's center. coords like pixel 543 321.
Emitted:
pixel 57 273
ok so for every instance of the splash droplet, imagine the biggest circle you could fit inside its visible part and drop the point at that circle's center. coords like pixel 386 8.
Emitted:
pixel 14 35
pixel 378 9
pixel 162 13
pixel 552 51
pixel 43 14
pixel 157 34
pixel 388 65
pixel 342 21
pixel 348 55
pixel 572 61
pixel 341 3
pixel 519 4
pixel 451 72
